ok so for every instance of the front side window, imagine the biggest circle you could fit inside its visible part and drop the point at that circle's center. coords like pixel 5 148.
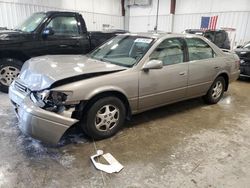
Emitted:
pixel 170 51
pixel 124 50
pixel 62 25
pixel 31 23
pixel 198 49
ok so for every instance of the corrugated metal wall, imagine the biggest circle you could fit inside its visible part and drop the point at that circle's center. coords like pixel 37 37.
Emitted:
pixel 147 23
pixel 231 14
pixel 237 20
pixel 99 12
pixel 143 18
pixel 13 13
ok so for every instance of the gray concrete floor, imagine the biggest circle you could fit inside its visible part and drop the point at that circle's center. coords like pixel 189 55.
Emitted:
pixel 188 144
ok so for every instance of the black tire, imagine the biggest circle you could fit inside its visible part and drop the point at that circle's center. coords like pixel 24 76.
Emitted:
pixel 12 65
pixel 90 119
pixel 211 97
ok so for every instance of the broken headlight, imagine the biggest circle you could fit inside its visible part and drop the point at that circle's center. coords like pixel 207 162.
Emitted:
pixel 50 100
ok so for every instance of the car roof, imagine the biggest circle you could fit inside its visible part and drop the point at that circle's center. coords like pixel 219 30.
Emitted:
pixel 55 12
pixel 162 34
pixel 203 31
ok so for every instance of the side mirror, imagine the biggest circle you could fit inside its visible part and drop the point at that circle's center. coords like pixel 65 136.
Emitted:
pixel 239 46
pixel 153 64
pixel 48 31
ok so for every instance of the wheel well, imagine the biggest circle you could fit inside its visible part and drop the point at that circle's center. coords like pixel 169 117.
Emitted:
pixel 85 105
pixel 14 54
pixel 226 78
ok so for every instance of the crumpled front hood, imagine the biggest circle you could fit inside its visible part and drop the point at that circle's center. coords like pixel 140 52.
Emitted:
pixel 41 72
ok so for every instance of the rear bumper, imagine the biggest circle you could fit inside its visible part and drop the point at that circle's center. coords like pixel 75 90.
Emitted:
pixel 245 72
pixel 244 76
pixel 38 123
pixel 245 69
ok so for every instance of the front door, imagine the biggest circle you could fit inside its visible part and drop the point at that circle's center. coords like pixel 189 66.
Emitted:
pixel 67 37
pixel 161 86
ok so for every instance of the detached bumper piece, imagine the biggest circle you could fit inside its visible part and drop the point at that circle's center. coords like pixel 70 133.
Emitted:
pixel 114 165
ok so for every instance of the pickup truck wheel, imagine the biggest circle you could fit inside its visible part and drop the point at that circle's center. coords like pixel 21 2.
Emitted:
pixel 9 70
pixel 216 91
pixel 104 118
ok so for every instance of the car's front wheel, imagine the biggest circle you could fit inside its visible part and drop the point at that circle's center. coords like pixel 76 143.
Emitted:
pixel 216 91
pixel 9 70
pixel 104 118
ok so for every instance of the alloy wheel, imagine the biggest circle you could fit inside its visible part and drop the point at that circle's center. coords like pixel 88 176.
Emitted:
pixel 8 74
pixel 217 89
pixel 107 118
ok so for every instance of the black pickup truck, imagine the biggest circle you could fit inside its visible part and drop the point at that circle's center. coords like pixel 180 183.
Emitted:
pixel 45 33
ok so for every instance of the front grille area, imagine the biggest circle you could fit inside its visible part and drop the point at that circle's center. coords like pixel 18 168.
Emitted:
pixel 21 87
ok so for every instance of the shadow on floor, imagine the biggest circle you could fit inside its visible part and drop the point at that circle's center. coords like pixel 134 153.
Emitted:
pixel 244 79
pixel 75 135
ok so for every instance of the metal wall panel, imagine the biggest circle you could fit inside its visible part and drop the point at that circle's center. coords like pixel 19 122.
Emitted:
pixel 147 23
pixel 232 14
pixel 237 20
pixel 12 14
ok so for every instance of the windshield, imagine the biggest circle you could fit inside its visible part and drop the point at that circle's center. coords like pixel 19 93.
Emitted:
pixel 247 46
pixel 31 23
pixel 123 50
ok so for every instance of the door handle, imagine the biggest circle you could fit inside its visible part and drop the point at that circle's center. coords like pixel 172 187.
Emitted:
pixel 216 67
pixel 183 73
pixel 63 46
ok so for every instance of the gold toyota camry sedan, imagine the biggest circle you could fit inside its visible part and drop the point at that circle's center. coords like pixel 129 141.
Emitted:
pixel 129 74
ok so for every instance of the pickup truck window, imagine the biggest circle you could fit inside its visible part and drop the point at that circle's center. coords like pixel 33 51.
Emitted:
pixel 123 50
pixel 31 23
pixel 62 25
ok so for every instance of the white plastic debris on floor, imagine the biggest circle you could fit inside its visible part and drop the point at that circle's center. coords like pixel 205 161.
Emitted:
pixel 113 166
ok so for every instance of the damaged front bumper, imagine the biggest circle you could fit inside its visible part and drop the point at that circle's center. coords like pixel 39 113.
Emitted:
pixel 38 123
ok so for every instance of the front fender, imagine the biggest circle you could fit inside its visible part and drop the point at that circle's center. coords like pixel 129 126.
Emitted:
pixel 104 89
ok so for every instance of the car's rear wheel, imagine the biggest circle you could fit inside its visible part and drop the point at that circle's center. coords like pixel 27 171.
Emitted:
pixel 104 118
pixel 9 70
pixel 216 91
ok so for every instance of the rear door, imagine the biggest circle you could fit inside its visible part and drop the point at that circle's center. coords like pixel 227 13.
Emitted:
pixel 161 86
pixel 202 66
pixel 68 37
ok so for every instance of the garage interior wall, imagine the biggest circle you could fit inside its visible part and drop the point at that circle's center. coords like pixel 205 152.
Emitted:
pixel 143 18
pixel 231 14
pixel 95 12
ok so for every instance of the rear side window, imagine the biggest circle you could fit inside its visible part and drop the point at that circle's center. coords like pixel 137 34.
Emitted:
pixel 198 49
pixel 220 38
pixel 170 51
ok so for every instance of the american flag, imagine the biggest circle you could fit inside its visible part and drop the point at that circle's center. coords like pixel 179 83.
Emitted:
pixel 209 22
